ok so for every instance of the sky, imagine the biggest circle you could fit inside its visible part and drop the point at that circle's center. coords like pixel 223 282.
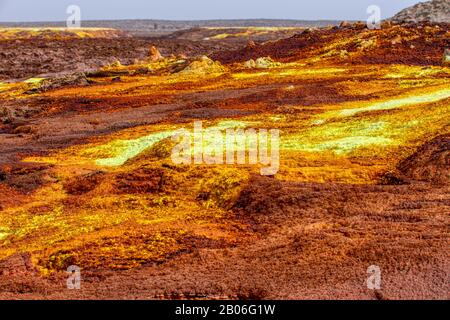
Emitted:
pixel 55 10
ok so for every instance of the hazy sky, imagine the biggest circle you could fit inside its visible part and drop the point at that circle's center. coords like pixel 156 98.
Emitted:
pixel 55 10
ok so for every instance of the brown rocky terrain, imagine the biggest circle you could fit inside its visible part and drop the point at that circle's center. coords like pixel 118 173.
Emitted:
pixel 35 57
pixel 363 179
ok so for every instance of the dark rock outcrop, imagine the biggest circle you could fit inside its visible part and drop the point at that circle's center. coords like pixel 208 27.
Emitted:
pixel 436 11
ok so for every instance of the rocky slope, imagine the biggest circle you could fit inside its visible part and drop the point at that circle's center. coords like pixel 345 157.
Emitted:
pixel 436 11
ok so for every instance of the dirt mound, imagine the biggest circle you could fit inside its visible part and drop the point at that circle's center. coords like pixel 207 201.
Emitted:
pixel 142 180
pixel 431 11
pixel 253 199
pixel 76 79
pixel 84 184
pixel 430 163
pixel 261 63
pixel 203 66
pixel 160 150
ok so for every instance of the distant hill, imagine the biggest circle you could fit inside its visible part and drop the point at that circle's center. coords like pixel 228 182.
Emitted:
pixel 60 33
pixel 436 11
pixel 161 27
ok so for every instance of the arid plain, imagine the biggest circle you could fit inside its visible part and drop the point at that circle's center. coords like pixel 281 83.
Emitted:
pixel 87 179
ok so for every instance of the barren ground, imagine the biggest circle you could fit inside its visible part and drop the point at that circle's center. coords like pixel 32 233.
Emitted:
pixel 364 175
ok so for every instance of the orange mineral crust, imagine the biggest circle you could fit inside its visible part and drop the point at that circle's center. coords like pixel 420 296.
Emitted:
pixel 88 178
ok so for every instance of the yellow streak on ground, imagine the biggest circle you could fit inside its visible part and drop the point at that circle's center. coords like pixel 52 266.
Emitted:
pixel 352 142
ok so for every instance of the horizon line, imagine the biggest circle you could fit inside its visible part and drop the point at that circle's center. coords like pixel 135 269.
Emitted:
pixel 188 20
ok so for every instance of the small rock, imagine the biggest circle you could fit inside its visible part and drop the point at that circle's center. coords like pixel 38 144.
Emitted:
pixel 343 54
pixel 396 40
pixel 250 64
pixel 261 63
pixel 251 44
pixel 155 55
pixel 116 64
pixel 143 70
pixel 6 115
pixel 26 129
pixel 265 63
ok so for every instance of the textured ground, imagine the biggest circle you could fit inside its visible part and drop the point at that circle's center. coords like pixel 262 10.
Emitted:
pixel 33 52
pixel 363 180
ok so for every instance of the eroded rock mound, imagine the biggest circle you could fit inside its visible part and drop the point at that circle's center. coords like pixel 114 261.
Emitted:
pixel 142 180
pixel 155 55
pixel 76 79
pixel 261 63
pixel 204 65
pixel 436 11
pixel 430 163
pixel 84 184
